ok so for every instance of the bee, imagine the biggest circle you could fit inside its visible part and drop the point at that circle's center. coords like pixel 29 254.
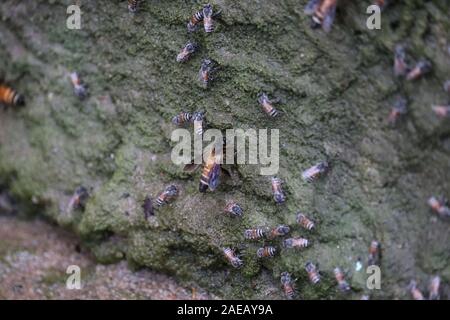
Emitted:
pixel 255 234
pixel 439 206
pixel 78 200
pixel 305 222
pixel 195 20
pixel 313 272
pixel 266 252
pixel 288 285
pixel 133 5
pixel 267 105
pixel 187 52
pixel 374 253
pixel 278 231
pixel 208 18
pixel 340 278
pixel 182 118
pixel 296 243
pixel 442 111
pixel 206 73
pixel 79 88
pixel 322 12
pixel 399 109
pixel 447 86
pixel 277 191
pixel 234 208
pixel 422 67
pixel 10 97
pixel 434 288
pixel 400 65
pixel 197 118
pixel 316 171
pixel 148 207
pixel 167 195
pixel 415 292
pixel 232 258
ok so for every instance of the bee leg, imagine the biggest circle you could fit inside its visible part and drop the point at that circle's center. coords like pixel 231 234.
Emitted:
pixel 217 14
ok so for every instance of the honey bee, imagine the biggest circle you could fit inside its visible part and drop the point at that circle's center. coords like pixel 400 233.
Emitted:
pixel 278 231
pixel 316 171
pixel 266 252
pixel 277 191
pixel 374 253
pixel 415 292
pixel 10 97
pixel 305 222
pixel 439 206
pixel 434 288
pixel 442 111
pixel 148 207
pixel 422 67
pixel 182 118
pixel 208 18
pixel 133 5
pixel 232 258
pixel 234 208
pixel 447 86
pixel 206 73
pixel 323 13
pixel 195 20
pixel 255 234
pixel 78 200
pixel 197 118
pixel 210 173
pixel 400 65
pixel 187 52
pixel 267 105
pixel 79 88
pixel 167 195
pixel 398 110
pixel 340 278
pixel 296 243
pixel 313 272
pixel 288 285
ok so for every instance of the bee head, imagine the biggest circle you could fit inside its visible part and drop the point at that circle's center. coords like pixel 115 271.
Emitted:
pixel 191 47
pixel 424 65
pixel 20 100
pixel 207 10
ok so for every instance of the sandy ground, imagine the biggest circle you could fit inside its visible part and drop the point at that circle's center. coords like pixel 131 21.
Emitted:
pixel 34 257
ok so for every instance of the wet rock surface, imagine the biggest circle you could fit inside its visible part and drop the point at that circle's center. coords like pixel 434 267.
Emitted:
pixel 336 92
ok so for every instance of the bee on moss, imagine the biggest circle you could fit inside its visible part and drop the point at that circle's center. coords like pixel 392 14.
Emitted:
pixel 313 272
pixel 434 288
pixel 400 65
pixel 232 258
pixel 208 18
pixel 288 285
pixel 207 72
pixel 78 200
pixel 323 13
pixel 340 278
pixel 374 253
pixel 305 222
pixel 442 111
pixel 439 206
pixel 148 207
pixel 133 5
pixel 167 195
pixel 278 231
pixel 10 97
pixel 267 105
pixel 79 88
pixel 415 292
pixel 255 234
pixel 195 20
pixel 316 171
pixel 266 252
pixel 198 119
pixel 234 209
pixel 182 118
pixel 422 67
pixel 296 243
pixel 187 51
pixel 399 109
pixel 277 190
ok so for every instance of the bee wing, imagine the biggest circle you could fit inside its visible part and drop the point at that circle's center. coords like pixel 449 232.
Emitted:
pixel 311 7
pixel 215 177
pixel 191 167
pixel 329 18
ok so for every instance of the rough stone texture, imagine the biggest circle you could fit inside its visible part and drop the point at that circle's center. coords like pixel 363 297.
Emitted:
pixel 336 92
